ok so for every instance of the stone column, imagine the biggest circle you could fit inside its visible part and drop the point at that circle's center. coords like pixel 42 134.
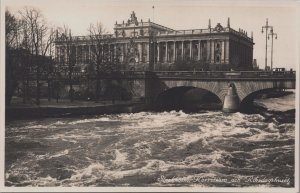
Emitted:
pixel 166 56
pixel 191 47
pixel 66 59
pixel 208 51
pixel 174 52
pixel 147 48
pixel 158 50
pixel 182 52
pixel 142 51
pixel 199 50
pixel 122 52
pixel 115 52
pixel 223 52
pixel 227 51
pixel 67 49
pixel 212 51
pixel 58 54
pixel 83 53
pixel 76 54
pixel 139 52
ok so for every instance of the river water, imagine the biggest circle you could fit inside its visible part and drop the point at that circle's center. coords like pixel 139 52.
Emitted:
pixel 205 149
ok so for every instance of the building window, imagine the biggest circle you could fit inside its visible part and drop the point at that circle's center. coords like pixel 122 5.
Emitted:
pixel 218 59
pixel 142 32
pixel 218 46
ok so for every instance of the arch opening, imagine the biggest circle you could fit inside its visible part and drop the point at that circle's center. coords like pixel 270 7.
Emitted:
pixel 188 99
pixel 248 105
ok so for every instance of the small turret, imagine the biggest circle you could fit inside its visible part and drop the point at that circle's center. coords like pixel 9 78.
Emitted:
pixel 228 22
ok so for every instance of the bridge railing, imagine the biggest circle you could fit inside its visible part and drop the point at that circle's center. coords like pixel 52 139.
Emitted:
pixel 226 74
pixel 184 74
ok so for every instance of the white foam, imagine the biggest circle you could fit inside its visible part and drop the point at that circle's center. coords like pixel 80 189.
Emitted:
pixel 188 137
pixel 120 158
pixel 46 181
pixel 143 148
pixel 92 170
pixel 41 127
pixel 90 120
pixel 59 123
pixel 59 154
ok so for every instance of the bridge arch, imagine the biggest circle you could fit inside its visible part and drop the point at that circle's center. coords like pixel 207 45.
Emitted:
pixel 246 88
pixel 247 102
pixel 217 88
pixel 187 98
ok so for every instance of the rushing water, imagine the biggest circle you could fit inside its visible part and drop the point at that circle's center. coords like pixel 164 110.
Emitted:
pixel 151 149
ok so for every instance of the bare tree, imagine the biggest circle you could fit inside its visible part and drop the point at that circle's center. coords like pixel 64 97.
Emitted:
pixel 65 36
pixel 37 38
pixel 102 56
pixel 13 55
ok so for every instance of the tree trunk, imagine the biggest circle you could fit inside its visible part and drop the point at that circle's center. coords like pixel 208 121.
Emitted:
pixel 27 93
pixel 97 90
pixel 38 86
pixel 71 91
pixel 9 80
pixel 24 90
pixel 97 85
pixel 49 90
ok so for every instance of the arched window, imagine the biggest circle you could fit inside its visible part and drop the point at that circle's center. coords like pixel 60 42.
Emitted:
pixel 218 59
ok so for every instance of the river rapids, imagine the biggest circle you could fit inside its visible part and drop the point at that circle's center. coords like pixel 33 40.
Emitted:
pixel 205 149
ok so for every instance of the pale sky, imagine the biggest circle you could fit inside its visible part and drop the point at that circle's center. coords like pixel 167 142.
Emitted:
pixel 183 14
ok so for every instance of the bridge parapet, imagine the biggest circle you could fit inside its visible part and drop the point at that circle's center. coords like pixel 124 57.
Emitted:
pixel 226 74
pixel 185 75
pixel 200 75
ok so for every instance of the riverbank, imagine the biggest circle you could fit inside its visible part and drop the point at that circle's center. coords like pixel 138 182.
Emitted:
pixel 274 105
pixel 64 108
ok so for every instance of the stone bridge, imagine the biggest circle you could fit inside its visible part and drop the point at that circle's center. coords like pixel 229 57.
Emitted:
pixel 242 86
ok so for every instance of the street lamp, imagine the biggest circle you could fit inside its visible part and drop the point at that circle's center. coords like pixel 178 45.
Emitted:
pixel 272 34
pixel 262 31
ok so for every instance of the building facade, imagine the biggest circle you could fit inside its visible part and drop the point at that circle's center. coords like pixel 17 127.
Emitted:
pixel 145 45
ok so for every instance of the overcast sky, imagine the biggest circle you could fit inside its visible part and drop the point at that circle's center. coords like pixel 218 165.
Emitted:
pixel 182 14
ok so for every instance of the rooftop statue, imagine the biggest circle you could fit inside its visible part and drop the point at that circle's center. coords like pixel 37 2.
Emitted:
pixel 133 19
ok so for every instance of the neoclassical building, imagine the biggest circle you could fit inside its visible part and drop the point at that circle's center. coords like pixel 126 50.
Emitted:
pixel 145 45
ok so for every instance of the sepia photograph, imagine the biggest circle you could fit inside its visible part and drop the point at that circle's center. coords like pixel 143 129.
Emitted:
pixel 163 94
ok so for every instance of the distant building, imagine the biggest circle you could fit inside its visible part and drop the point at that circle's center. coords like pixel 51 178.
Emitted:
pixel 144 45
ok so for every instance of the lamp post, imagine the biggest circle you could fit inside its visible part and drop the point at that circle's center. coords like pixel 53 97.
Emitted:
pixel 262 31
pixel 272 34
